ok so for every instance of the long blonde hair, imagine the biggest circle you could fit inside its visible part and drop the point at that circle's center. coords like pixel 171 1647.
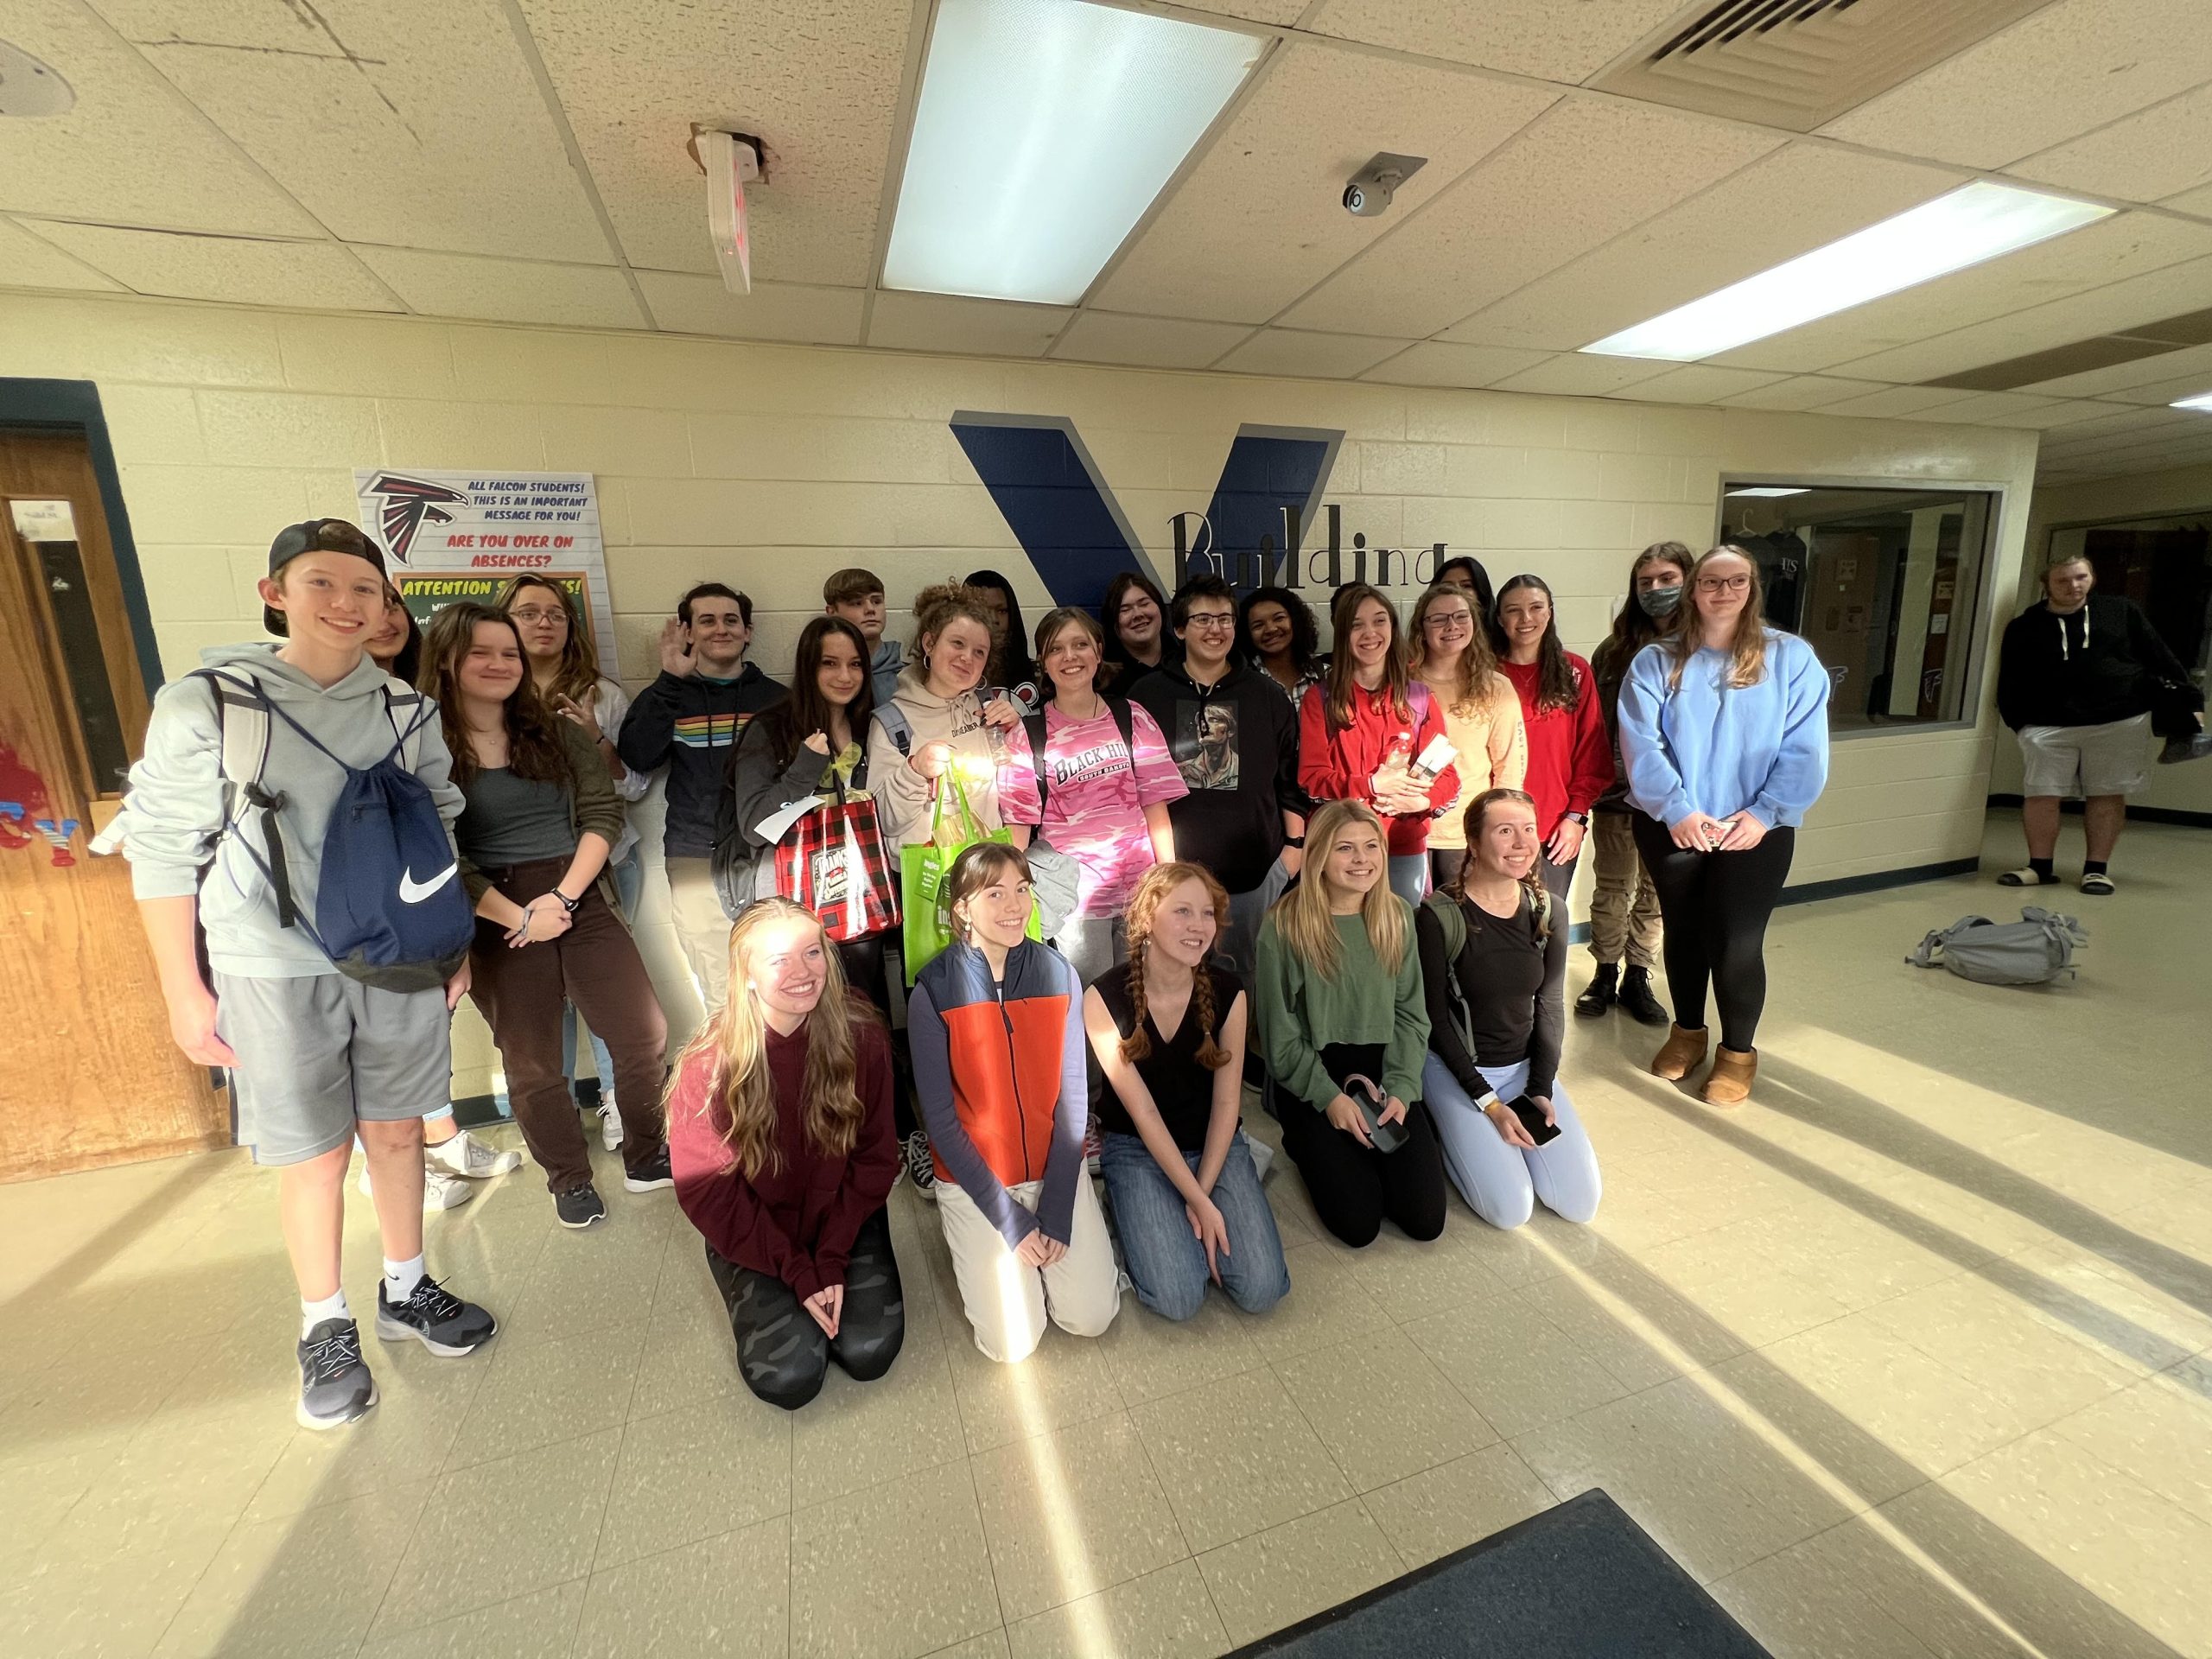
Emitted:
pixel 1480 681
pixel 1302 915
pixel 1153 888
pixel 1747 652
pixel 735 1042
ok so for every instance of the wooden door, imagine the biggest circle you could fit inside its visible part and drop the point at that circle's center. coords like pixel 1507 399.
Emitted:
pixel 90 1076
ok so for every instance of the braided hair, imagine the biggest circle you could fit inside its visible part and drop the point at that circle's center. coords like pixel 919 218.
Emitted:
pixel 1152 891
pixel 1532 885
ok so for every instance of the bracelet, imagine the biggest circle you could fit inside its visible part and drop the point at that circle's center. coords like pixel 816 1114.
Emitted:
pixel 1293 841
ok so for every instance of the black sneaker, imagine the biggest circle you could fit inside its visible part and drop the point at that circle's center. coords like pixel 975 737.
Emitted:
pixel 1637 1000
pixel 1602 993
pixel 579 1206
pixel 921 1168
pixel 651 1175
pixel 335 1386
pixel 446 1324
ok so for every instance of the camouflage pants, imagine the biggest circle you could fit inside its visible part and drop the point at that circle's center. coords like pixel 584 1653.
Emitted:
pixel 781 1352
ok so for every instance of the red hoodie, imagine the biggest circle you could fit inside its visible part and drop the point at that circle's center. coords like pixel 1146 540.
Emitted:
pixel 1570 757
pixel 1338 763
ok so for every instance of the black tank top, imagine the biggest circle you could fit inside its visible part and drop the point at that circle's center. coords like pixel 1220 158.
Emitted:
pixel 1181 1088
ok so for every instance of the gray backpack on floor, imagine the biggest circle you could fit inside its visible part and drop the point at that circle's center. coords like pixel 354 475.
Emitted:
pixel 2034 951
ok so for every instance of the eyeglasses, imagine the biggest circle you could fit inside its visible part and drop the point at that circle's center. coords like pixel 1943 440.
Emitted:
pixel 1451 622
pixel 1215 620
pixel 1723 584
pixel 531 613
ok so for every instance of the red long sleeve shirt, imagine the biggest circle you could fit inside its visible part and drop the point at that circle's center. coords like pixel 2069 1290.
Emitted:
pixel 1338 763
pixel 796 1223
pixel 1570 757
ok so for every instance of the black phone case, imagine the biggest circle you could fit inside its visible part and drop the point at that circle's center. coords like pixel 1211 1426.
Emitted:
pixel 1532 1119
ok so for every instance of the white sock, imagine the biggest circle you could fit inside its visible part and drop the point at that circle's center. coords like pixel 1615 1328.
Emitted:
pixel 400 1279
pixel 332 1307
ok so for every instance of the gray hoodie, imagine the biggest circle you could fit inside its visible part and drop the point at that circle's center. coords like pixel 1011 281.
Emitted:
pixel 904 798
pixel 176 803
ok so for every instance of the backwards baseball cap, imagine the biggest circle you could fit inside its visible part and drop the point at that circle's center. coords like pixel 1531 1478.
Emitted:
pixel 315 536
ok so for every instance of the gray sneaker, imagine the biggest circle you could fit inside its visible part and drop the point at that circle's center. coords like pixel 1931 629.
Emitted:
pixel 335 1387
pixel 435 1317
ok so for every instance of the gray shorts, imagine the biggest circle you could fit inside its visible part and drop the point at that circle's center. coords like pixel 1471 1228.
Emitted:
pixel 316 1053
pixel 2077 760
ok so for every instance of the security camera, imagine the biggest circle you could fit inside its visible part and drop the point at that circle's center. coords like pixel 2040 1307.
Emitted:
pixel 1370 190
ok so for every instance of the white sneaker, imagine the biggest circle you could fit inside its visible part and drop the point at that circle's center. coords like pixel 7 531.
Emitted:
pixel 439 1190
pixel 610 1127
pixel 473 1159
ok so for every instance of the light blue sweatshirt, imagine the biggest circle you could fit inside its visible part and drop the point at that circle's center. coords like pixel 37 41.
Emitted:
pixel 1708 747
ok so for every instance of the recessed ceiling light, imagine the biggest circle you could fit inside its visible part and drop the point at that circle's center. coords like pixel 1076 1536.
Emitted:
pixel 1768 489
pixel 2202 400
pixel 1964 228
pixel 1044 130
pixel 28 87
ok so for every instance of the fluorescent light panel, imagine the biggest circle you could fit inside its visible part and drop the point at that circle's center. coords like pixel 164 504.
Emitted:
pixel 1963 228
pixel 1043 130
pixel 1768 489
pixel 2202 401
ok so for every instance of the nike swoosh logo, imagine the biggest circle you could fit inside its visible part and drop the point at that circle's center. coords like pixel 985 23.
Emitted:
pixel 412 891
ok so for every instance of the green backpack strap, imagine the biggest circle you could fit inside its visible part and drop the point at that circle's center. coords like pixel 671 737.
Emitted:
pixel 1453 921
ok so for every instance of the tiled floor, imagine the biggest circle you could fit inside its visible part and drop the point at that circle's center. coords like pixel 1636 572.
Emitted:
pixel 1909 1360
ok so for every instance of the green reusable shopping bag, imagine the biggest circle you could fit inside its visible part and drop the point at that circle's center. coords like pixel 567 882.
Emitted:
pixel 922 870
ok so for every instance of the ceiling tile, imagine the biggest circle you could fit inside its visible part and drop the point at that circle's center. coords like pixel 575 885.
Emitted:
pixel 2135 381
pixel 1528 37
pixel 507 290
pixel 1895 401
pixel 2163 151
pixel 2047 418
pixel 946 322
pixel 685 304
pixel 1152 342
pixel 2110 309
pixel 2125 245
pixel 1580 175
pixel 1431 363
pixel 30 262
pixel 1290 352
pixel 1275 176
pixel 408 122
pixel 1798 198
pixel 132 151
pixel 1990 408
pixel 1252 12
pixel 1800 392
pixel 2197 201
pixel 819 84
pixel 1574 375
pixel 236 269
pixel 2091 428
pixel 1697 383
pixel 2057 73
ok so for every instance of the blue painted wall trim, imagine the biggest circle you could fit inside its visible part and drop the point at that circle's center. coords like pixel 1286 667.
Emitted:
pixel 74 406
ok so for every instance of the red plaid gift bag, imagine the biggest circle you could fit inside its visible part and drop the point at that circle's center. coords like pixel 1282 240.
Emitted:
pixel 833 861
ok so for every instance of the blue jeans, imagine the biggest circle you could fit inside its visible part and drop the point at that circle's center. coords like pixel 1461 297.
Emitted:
pixel 1167 1263
pixel 1409 876
pixel 1500 1182
pixel 629 882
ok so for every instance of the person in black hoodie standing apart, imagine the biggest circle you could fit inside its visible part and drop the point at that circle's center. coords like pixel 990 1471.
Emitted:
pixel 2076 682
pixel 689 718
pixel 1235 740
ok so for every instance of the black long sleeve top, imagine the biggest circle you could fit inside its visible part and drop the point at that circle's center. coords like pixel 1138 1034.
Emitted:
pixel 1510 982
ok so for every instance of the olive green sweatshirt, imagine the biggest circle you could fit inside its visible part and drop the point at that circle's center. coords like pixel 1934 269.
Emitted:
pixel 1300 1013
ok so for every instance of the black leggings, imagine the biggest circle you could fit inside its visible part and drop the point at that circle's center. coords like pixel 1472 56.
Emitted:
pixel 781 1352
pixel 1354 1187
pixel 1715 906
pixel 863 962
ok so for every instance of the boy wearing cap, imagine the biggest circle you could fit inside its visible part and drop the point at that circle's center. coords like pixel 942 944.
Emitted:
pixel 857 595
pixel 315 1057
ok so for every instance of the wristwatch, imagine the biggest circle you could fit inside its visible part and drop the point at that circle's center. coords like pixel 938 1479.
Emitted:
pixel 1293 841
pixel 1582 818
pixel 568 904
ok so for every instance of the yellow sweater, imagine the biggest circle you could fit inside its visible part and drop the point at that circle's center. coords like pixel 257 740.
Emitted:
pixel 1493 753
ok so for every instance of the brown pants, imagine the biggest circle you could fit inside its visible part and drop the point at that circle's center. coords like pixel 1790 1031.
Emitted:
pixel 595 965
pixel 1624 907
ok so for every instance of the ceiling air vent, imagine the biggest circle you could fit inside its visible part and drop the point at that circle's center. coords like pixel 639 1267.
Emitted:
pixel 1799 64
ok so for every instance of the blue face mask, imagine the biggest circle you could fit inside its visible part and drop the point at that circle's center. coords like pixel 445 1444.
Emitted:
pixel 1660 601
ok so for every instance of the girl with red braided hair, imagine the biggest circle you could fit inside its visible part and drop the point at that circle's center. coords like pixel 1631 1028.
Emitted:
pixel 1168 1031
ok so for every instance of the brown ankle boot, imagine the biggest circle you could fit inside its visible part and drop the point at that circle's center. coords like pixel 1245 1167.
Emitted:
pixel 1733 1073
pixel 1683 1053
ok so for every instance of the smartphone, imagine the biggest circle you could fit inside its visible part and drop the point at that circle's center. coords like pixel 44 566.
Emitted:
pixel 1384 1137
pixel 1532 1119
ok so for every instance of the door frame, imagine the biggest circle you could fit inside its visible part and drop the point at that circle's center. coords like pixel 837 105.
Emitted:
pixel 74 406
